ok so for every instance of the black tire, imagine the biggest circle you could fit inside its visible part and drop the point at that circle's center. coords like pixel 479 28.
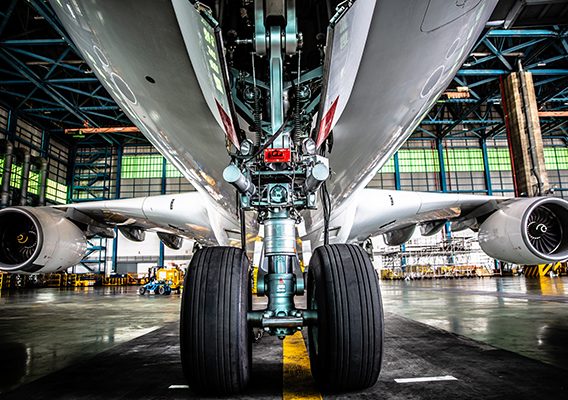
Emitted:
pixel 215 339
pixel 142 290
pixel 162 290
pixel 346 344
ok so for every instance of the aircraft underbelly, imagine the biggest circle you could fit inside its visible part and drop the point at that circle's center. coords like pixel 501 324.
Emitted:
pixel 137 51
pixel 412 51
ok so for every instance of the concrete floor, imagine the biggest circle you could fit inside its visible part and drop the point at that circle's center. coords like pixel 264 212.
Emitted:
pixel 44 330
pixel 103 334
pixel 525 316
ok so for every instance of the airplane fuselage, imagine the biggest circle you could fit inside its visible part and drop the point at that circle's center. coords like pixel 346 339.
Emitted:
pixel 385 78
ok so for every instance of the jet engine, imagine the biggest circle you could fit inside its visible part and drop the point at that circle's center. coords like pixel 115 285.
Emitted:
pixel 38 240
pixel 528 231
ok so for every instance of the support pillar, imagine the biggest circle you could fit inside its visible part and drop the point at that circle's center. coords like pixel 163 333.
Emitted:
pixel 396 172
pixel 486 168
pixel 523 131
pixel 119 152
pixel 163 191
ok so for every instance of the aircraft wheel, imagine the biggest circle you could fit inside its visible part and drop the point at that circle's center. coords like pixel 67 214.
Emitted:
pixel 142 290
pixel 214 335
pixel 346 343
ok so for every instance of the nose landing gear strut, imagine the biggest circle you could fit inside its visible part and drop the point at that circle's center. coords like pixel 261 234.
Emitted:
pixel 279 177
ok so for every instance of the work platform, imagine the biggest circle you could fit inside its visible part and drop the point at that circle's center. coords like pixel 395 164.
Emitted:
pixel 148 367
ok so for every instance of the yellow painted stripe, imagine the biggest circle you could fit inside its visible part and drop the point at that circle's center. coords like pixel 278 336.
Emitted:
pixel 298 381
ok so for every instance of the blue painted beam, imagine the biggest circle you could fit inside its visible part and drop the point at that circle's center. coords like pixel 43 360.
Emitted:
pixel 396 172
pixel 441 161
pixel 79 91
pixel 60 80
pixel 52 70
pixel 32 42
pixel 61 109
pixel 20 95
pixel 523 33
pixel 46 12
pixel 7 15
pixel 497 72
pixel 48 89
pixel 486 169
pixel 47 60
pixel 497 53
pixel 461 122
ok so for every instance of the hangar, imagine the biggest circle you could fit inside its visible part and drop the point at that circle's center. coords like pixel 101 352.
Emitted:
pixel 458 321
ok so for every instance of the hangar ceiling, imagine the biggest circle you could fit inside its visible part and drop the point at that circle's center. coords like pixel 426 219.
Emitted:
pixel 44 79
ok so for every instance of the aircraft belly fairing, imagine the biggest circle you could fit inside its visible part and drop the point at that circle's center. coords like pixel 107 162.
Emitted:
pixel 137 51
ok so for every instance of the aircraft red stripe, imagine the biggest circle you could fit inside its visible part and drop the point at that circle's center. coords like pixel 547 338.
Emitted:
pixel 325 125
pixel 228 124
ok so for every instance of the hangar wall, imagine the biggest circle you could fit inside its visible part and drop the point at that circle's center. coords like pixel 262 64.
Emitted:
pixel 95 169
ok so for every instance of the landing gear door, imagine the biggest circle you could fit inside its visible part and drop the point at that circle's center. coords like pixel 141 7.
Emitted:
pixel 204 44
pixel 346 38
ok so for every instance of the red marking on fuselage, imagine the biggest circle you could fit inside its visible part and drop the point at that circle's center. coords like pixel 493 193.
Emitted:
pixel 325 124
pixel 228 124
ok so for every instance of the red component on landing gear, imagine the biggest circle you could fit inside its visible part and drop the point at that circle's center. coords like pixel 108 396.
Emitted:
pixel 277 155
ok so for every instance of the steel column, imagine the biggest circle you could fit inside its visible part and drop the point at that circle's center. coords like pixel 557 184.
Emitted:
pixel 396 172
pixel 163 191
pixel 486 169
pixel 119 152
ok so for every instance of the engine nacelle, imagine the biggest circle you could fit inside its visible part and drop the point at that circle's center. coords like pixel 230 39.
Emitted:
pixel 528 231
pixel 38 240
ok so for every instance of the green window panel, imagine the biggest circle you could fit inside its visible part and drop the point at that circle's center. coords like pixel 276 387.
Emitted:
pixel 16 177
pixel 33 184
pixel 556 158
pixel 418 160
pixel 147 166
pixel 464 160
pixel 388 168
pixel 56 192
pixel 137 167
pixel 499 159
pixel 172 172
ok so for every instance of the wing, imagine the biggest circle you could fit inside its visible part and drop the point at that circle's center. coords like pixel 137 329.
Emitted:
pixel 48 239
pixel 517 230
pixel 186 215
pixel 388 211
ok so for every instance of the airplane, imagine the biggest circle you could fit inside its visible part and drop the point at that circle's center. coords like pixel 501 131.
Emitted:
pixel 279 113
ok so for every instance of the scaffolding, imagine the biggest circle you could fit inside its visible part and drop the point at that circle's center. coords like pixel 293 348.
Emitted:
pixel 454 257
pixel 92 178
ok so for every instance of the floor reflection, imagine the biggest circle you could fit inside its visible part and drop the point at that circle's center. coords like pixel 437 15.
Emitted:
pixel 527 316
pixel 44 330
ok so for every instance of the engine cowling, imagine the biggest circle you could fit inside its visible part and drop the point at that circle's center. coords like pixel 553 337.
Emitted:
pixel 528 231
pixel 38 240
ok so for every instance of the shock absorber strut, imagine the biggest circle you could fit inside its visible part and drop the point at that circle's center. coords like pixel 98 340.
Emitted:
pixel 281 179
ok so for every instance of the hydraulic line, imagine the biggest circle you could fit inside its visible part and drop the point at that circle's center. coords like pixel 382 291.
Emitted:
pixel 297 126
pixel 256 116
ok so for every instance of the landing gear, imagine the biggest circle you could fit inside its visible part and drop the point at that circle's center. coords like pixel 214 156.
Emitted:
pixel 215 337
pixel 346 342
pixel 278 176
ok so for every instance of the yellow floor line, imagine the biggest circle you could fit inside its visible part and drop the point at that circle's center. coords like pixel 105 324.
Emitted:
pixel 298 382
